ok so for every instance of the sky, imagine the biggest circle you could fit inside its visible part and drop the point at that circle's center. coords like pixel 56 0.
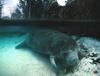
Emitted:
pixel 62 2
pixel 9 7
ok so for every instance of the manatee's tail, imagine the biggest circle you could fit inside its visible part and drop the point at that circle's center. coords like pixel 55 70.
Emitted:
pixel 22 45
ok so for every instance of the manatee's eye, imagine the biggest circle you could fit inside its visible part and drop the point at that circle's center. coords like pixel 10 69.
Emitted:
pixel 65 46
pixel 65 54
pixel 85 51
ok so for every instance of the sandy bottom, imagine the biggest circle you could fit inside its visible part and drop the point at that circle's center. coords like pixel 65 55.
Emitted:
pixel 15 62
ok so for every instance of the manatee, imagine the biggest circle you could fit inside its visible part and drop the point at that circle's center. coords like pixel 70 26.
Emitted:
pixel 61 48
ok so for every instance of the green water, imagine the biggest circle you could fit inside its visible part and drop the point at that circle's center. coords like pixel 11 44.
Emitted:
pixel 18 62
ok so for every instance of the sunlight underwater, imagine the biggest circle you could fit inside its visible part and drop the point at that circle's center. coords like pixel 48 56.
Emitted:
pixel 14 62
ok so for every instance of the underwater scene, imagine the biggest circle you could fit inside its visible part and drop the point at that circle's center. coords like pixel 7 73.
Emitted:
pixel 46 52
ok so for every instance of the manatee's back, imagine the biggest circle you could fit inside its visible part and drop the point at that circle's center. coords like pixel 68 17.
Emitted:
pixel 49 41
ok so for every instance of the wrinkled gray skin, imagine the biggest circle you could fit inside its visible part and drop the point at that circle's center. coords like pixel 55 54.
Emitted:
pixel 62 49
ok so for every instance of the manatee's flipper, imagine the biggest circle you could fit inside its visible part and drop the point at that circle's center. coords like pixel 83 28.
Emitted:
pixel 56 64
pixel 52 60
pixel 22 45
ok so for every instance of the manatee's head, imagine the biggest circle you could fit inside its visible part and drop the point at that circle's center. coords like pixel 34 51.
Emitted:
pixel 66 55
pixel 67 62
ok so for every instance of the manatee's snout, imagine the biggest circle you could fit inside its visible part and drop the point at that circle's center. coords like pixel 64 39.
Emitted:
pixel 72 58
pixel 72 61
